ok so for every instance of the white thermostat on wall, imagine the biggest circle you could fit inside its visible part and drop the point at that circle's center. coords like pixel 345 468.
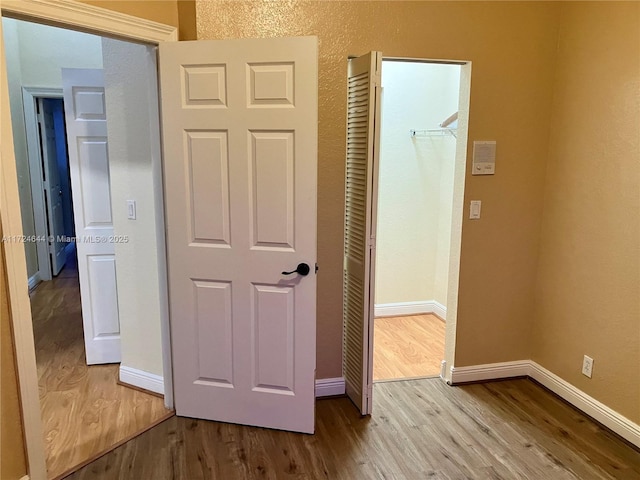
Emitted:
pixel 484 158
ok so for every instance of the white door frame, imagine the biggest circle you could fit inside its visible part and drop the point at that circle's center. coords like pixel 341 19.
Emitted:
pixel 457 210
pixel 74 16
pixel 29 97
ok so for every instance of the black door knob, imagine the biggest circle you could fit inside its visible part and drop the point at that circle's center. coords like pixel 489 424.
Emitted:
pixel 302 269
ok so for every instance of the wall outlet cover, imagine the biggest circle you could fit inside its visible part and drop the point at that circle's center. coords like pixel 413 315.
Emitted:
pixel 587 366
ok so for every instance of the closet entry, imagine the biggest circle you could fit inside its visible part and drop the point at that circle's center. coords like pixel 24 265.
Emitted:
pixel 401 162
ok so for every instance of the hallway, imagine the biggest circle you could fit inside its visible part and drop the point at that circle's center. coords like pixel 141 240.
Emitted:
pixel 84 411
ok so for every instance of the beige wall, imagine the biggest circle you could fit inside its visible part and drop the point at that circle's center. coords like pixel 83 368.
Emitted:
pixel 12 458
pixel 512 46
pixel 162 11
pixel 187 20
pixel 587 291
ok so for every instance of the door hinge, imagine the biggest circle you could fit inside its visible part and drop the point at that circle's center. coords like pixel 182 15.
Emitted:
pixel 372 242
pixel 317 267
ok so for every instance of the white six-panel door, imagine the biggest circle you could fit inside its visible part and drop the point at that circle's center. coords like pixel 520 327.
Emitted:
pixel 240 141
pixel 89 167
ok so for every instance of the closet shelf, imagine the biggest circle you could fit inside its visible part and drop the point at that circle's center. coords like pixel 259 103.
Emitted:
pixel 434 132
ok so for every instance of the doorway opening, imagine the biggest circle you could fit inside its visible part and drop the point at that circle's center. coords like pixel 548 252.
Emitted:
pixel 98 387
pixel 418 141
pixel 48 209
pixel 56 180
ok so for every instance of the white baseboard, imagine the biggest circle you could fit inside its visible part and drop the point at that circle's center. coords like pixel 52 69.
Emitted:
pixel 328 387
pixel 34 280
pixel 438 309
pixel 608 417
pixel 141 379
pixel 611 419
pixel 489 371
pixel 26 477
pixel 410 308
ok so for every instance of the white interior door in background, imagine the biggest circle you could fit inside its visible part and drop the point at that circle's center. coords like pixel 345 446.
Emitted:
pixel 52 186
pixel 240 152
pixel 89 167
pixel 361 198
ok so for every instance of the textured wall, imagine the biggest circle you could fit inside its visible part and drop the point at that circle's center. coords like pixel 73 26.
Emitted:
pixel 587 295
pixel 512 46
pixel 415 185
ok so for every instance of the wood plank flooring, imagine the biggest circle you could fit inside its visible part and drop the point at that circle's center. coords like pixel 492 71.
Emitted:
pixel 84 411
pixel 407 347
pixel 419 429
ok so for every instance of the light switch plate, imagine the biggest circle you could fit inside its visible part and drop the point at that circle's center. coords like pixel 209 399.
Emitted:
pixel 131 209
pixel 474 210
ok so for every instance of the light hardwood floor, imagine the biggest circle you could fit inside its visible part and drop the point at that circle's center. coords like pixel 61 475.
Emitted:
pixel 419 429
pixel 84 411
pixel 407 347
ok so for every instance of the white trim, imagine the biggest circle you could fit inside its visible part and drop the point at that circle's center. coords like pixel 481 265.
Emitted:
pixel 18 288
pixel 438 310
pixel 608 417
pixel 611 419
pixel 76 16
pixel 443 370
pixel 141 379
pixel 329 387
pixel 26 477
pixel 489 371
pixel 457 216
pixel 80 16
pixel 411 308
pixel 153 96
pixel 34 280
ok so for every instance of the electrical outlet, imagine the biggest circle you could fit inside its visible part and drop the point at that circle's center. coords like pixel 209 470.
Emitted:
pixel 587 366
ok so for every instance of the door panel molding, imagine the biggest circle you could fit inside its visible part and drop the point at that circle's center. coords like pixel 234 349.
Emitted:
pixel 240 143
pixel 86 124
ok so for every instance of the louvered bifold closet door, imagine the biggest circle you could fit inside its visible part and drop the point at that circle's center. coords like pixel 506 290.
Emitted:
pixel 363 111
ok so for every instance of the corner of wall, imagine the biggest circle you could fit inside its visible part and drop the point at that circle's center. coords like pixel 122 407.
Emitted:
pixel 588 250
